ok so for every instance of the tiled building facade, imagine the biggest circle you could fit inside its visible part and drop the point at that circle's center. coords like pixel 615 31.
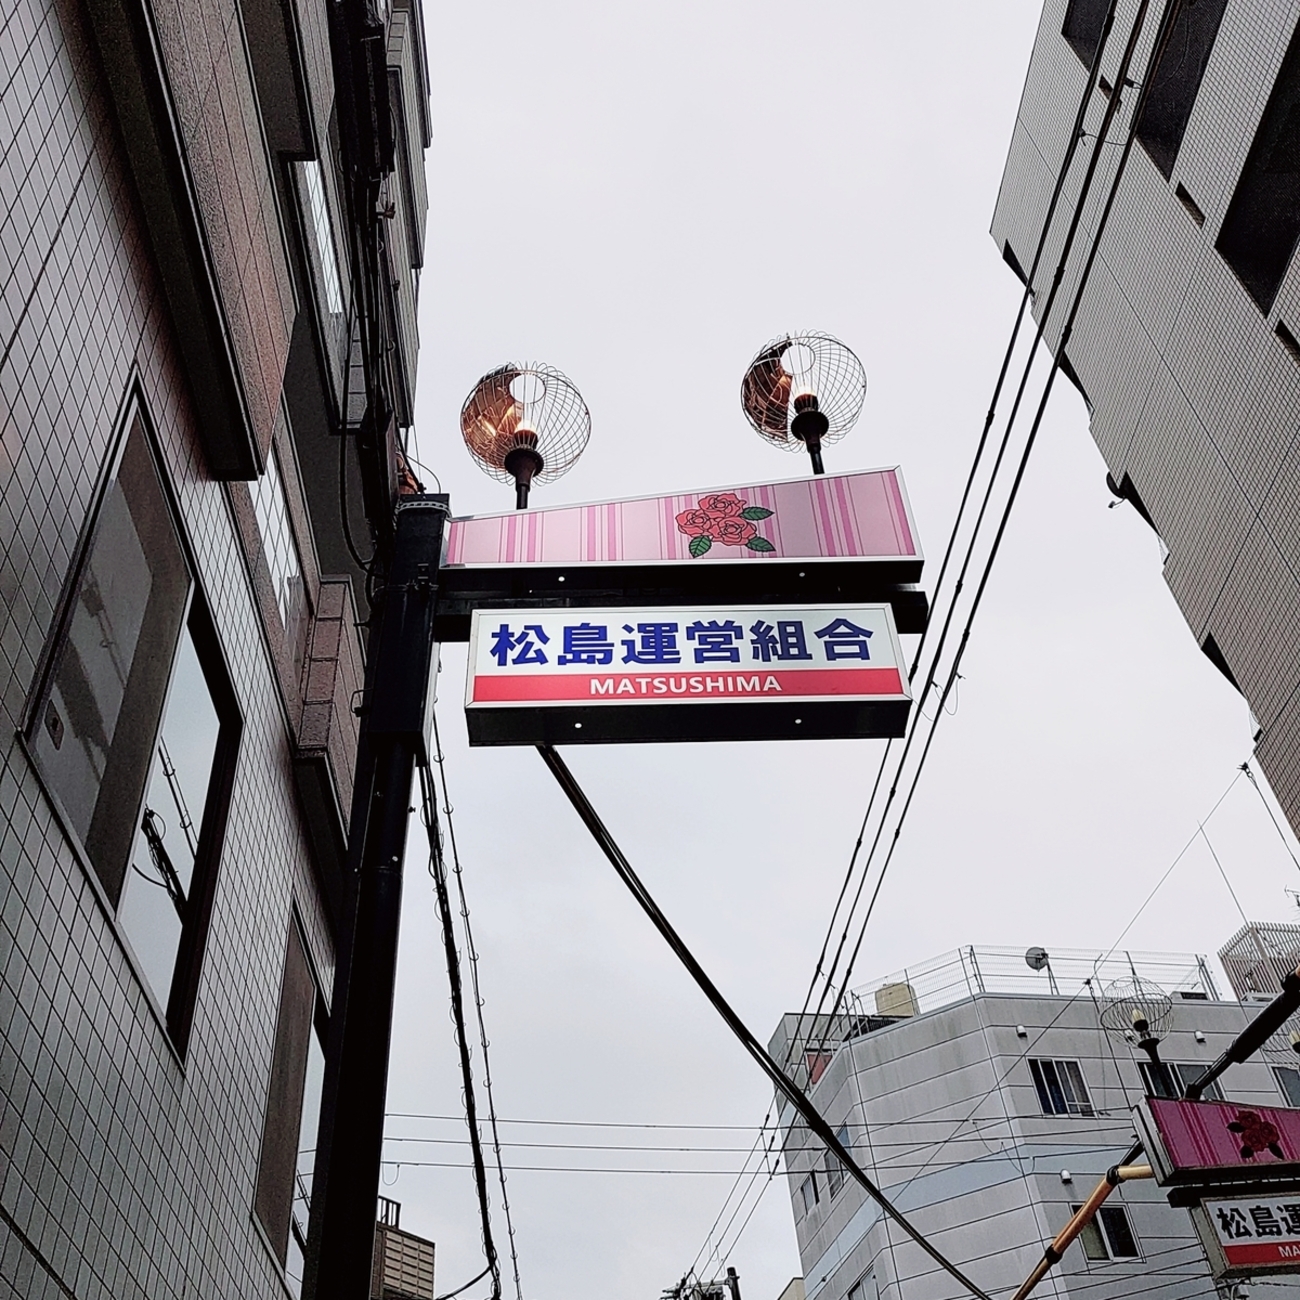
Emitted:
pixel 181 362
pixel 1185 347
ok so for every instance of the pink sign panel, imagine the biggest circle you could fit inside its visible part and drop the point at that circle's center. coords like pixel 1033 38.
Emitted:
pixel 1214 1136
pixel 832 516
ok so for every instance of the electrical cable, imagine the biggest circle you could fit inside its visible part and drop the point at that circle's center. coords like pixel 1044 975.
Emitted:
pixel 1182 853
pixel 472 953
pixel 795 1095
pixel 708 1236
pixel 437 869
pixel 711 1250
pixel 577 1123
pixel 477 1277
pixel 1286 843
pixel 1112 107
pixel 1076 135
pixel 1241 911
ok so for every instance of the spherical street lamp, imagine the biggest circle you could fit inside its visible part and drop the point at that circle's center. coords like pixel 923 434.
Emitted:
pixel 803 392
pixel 525 423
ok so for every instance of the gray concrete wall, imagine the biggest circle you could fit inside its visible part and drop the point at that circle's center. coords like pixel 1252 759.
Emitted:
pixel 943 1113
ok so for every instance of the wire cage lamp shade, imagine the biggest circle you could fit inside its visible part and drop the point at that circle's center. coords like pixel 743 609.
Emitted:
pixel 803 392
pixel 525 423
pixel 1136 1006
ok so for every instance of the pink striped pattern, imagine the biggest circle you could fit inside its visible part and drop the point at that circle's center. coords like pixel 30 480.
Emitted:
pixel 857 516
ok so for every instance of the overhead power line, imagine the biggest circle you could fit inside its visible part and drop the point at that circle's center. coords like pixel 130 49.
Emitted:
pixel 438 870
pixel 1076 135
pixel 795 1095
pixel 1112 107
pixel 471 952
pixel 820 970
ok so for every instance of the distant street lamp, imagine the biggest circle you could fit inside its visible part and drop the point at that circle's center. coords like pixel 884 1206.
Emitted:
pixel 804 392
pixel 523 424
pixel 1141 1008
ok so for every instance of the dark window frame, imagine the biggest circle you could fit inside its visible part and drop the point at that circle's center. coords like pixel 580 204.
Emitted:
pixel 809 1202
pixel 176 1018
pixel 1261 227
pixel 1112 1231
pixel 1175 85
pixel 1292 1100
pixel 1082 27
pixel 1181 1073
pixel 269 1184
pixel 836 1175
pixel 1052 1093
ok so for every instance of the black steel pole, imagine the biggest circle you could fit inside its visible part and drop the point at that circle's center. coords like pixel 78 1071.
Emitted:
pixel 394 716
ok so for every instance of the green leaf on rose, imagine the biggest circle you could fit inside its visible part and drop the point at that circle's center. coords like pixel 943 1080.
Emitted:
pixel 755 512
pixel 760 544
pixel 699 545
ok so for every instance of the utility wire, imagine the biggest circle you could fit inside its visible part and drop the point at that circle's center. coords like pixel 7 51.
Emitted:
pixel 1286 843
pixel 438 870
pixel 1076 135
pixel 1112 106
pixel 472 953
pixel 795 1095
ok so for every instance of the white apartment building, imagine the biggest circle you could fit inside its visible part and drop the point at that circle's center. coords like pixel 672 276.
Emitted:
pixel 986 1099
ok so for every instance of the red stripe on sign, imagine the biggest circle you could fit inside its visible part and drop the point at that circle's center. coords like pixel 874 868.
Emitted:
pixel 1262 1252
pixel 663 688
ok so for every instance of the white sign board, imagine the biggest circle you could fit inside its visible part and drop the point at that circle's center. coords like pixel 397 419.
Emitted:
pixel 753 672
pixel 1251 1234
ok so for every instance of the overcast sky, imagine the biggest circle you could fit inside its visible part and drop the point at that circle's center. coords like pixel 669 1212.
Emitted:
pixel 642 196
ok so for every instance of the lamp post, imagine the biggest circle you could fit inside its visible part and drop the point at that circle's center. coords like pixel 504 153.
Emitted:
pixel 1141 1008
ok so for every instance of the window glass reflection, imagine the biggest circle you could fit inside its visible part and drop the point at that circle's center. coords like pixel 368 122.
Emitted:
pixel 156 896
pixel 281 551
pixel 95 732
pixel 307 1130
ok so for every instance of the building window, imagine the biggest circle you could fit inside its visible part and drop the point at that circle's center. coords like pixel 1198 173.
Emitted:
pixel 289 1127
pixel 1259 232
pixel 832 1164
pixel 808 1190
pixel 864 1288
pixel 817 1063
pixel 282 559
pixel 1177 79
pixel 1288 1081
pixel 322 232
pixel 1082 27
pixel 136 730
pixel 1109 1235
pixel 1060 1086
pixel 1180 1076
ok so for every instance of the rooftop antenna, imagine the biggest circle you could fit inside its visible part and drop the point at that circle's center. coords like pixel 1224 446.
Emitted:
pixel 1037 959
pixel 525 423
pixel 803 392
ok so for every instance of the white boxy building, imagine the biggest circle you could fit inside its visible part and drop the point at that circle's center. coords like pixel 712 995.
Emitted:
pixel 987 1101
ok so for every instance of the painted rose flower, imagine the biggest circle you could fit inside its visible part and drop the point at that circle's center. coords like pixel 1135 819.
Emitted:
pixel 731 531
pixel 694 523
pixel 721 505
pixel 724 518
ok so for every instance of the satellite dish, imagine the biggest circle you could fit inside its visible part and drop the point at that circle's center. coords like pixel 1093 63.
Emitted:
pixel 1036 958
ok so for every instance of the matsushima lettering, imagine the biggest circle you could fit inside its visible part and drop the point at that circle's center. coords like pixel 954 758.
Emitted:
pixel 729 685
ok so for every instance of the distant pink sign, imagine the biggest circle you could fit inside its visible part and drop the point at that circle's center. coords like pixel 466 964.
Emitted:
pixel 1213 1135
pixel 832 516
